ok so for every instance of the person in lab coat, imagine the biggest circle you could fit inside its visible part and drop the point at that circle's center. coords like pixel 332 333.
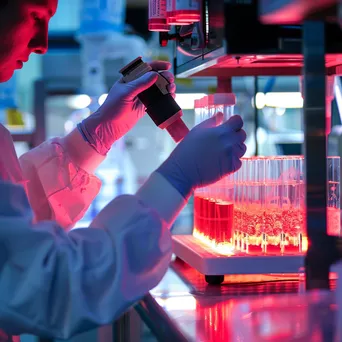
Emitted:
pixel 55 282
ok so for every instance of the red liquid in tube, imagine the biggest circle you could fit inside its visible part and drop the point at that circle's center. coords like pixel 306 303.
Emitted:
pixel 225 213
pixel 213 219
pixel 197 211
pixel 157 19
pixel 183 12
pixel 211 227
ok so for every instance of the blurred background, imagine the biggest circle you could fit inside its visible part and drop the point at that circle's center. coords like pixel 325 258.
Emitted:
pixel 50 97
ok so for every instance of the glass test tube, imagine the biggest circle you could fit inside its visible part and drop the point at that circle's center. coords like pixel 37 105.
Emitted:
pixel 333 196
pixel 225 103
pixel 197 110
pixel 285 207
pixel 224 214
pixel 240 192
pixel 255 206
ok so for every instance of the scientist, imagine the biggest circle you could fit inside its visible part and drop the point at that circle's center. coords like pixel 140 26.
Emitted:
pixel 56 283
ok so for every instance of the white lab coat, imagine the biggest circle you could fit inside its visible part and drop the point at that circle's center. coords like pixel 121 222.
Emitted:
pixel 57 284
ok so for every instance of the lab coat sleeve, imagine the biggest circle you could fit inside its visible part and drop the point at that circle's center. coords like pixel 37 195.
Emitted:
pixel 160 195
pixel 59 181
pixel 57 284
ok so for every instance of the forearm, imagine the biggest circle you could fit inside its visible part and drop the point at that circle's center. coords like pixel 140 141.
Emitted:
pixel 60 183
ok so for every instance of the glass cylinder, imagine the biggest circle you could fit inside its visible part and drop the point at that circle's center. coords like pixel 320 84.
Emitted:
pixel 213 215
pixel 249 224
pixel 198 111
pixel 333 196
pixel 285 205
pixel 224 103
pixel 269 205
pixel 239 180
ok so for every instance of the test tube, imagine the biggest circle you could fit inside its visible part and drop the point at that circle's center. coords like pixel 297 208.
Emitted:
pixel 237 209
pixel 276 198
pixel 225 213
pixel 206 107
pixel 225 103
pixel 255 206
pixel 157 18
pixel 285 205
pixel 197 213
pixel 211 106
pixel 333 198
pixel 240 191
pixel 197 110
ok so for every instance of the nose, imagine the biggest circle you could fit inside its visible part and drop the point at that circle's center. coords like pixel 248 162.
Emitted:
pixel 39 42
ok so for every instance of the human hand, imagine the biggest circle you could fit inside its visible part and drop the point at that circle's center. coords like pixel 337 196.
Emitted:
pixel 122 109
pixel 206 154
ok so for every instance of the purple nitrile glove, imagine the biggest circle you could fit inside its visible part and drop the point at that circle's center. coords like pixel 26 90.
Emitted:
pixel 121 110
pixel 206 154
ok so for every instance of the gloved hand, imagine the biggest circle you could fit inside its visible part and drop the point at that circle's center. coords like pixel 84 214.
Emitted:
pixel 121 110
pixel 206 154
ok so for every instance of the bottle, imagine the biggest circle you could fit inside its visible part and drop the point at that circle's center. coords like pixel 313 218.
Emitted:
pixel 157 19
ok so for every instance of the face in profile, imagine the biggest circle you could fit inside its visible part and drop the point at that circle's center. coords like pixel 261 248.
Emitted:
pixel 23 30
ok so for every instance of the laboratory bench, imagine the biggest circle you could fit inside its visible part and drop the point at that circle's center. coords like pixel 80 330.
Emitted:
pixel 245 307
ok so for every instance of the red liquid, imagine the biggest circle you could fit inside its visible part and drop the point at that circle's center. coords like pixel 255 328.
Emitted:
pixel 276 230
pixel 214 219
pixel 334 221
pixel 271 231
pixel 255 230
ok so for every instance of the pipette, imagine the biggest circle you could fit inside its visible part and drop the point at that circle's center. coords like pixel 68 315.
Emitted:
pixel 159 103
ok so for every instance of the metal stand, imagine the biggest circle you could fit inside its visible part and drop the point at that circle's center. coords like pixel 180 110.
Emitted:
pixel 322 252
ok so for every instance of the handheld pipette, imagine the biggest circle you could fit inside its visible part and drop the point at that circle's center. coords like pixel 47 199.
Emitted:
pixel 159 103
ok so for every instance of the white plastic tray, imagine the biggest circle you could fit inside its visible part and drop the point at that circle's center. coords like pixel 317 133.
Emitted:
pixel 208 262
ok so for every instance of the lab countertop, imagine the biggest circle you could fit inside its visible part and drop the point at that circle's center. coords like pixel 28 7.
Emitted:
pixel 246 308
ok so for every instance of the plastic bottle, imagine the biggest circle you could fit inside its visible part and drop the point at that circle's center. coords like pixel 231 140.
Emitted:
pixel 157 19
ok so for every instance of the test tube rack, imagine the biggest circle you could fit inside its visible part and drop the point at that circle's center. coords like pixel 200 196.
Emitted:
pixel 214 266
pixel 265 237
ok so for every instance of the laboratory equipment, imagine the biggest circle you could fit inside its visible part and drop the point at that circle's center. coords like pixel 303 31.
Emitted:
pixel 159 103
pixel 333 198
pixel 183 12
pixel 157 18
pixel 213 205
pixel 259 210
pixel 209 105
pixel 311 48
pixel 271 215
